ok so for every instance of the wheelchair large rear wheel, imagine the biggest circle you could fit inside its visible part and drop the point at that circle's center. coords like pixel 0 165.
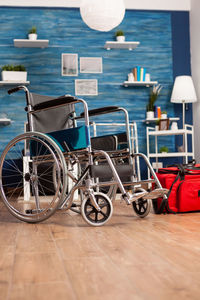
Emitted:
pixel 91 215
pixel 26 177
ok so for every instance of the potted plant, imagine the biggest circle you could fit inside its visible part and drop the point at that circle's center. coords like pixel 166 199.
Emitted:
pixel 120 36
pixel 157 124
pixel 164 115
pixel 14 73
pixel 164 149
pixel 155 91
pixel 32 34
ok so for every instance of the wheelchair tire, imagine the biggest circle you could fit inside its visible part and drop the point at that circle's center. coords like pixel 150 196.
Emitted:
pixel 91 215
pixel 26 177
pixel 142 207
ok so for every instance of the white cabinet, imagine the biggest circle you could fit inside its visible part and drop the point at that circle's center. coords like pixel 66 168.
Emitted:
pixel 187 132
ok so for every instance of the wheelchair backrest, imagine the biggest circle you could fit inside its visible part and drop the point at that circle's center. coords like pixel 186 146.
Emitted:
pixel 58 118
pixel 58 122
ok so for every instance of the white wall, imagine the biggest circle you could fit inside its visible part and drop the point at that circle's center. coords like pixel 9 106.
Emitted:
pixel 134 4
pixel 195 61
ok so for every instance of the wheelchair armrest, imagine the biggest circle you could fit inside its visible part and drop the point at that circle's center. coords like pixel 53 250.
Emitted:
pixel 100 111
pixel 55 102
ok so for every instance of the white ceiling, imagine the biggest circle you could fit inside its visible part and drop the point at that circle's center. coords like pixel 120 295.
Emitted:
pixel 130 4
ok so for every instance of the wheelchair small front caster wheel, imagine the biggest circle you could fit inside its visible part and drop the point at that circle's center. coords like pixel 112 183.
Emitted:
pixel 142 207
pixel 94 217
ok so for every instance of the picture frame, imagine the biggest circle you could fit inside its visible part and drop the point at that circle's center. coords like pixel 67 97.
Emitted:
pixel 91 65
pixel 86 87
pixel 164 124
pixel 69 66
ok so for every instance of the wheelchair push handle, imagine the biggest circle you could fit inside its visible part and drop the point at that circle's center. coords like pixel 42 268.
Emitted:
pixel 16 89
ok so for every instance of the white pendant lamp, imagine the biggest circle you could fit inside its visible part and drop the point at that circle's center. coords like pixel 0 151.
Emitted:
pixel 102 15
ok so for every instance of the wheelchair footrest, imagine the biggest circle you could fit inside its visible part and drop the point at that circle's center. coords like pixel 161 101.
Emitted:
pixel 157 193
pixel 137 196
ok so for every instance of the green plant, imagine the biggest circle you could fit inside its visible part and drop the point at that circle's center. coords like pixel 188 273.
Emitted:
pixel 164 149
pixel 155 91
pixel 13 68
pixel 164 112
pixel 32 30
pixel 119 33
pixel 157 122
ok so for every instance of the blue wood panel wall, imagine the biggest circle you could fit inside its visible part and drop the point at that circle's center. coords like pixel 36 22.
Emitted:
pixel 68 34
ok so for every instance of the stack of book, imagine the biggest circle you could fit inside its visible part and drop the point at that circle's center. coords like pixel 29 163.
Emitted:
pixel 139 73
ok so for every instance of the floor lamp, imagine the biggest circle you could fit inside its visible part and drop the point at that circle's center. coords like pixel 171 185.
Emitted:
pixel 183 92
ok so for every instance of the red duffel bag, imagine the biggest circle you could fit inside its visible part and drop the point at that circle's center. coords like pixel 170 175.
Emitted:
pixel 183 182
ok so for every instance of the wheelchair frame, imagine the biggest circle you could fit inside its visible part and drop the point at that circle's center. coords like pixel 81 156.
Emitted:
pixel 96 207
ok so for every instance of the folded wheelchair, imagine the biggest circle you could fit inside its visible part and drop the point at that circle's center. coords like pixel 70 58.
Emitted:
pixel 43 169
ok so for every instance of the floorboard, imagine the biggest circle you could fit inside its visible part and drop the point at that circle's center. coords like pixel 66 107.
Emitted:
pixel 128 258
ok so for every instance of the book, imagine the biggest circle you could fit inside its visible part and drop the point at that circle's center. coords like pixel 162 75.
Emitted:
pixel 135 73
pixel 138 73
pixel 155 111
pixel 144 74
pixel 158 112
pixel 141 74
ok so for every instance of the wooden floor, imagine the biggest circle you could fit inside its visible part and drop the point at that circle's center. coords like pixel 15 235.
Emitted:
pixel 130 258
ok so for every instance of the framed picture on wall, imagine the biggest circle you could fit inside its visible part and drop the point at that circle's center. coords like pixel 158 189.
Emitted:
pixel 164 124
pixel 86 87
pixel 69 64
pixel 91 65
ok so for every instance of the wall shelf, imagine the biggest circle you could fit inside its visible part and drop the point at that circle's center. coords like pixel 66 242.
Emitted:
pixel 121 45
pixel 14 82
pixel 20 43
pixel 147 121
pixel 5 121
pixel 139 83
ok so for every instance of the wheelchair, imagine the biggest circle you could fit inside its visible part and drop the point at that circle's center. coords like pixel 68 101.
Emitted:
pixel 42 169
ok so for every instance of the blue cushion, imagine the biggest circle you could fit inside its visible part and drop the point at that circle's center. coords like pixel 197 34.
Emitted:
pixel 75 138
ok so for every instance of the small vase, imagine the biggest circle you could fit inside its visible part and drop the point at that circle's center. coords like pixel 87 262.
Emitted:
pixel 130 77
pixel 163 116
pixel 150 115
pixel 120 38
pixel 32 36
pixel 174 126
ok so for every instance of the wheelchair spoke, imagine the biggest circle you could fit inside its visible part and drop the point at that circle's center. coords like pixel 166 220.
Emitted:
pixel 96 216
pixel 90 212
pixel 26 169
pixel 101 212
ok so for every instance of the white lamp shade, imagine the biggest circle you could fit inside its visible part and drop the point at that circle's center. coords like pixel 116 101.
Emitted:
pixel 102 15
pixel 183 90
